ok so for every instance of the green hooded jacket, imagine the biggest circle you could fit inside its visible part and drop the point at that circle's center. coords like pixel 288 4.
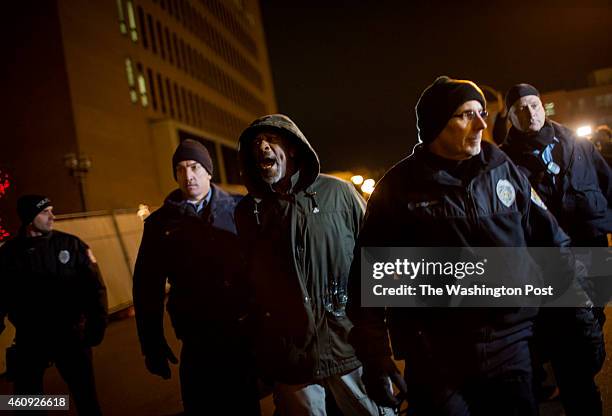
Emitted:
pixel 299 248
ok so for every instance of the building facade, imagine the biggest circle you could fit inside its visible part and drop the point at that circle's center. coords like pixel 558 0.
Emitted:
pixel 585 107
pixel 100 92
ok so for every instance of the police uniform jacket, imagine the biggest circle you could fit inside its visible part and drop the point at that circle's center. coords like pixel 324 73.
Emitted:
pixel 51 290
pixel 198 255
pixel 580 194
pixel 417 204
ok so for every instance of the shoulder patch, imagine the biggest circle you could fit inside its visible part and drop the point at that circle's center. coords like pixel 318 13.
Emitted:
pixel 64 256
pixel 537 200
pixel 505 192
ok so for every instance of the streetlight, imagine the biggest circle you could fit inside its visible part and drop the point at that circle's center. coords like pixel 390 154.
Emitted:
pixel 584 131
pixel 78 166
pixel 368 186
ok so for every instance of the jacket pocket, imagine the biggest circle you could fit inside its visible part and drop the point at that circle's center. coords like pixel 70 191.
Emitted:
pixel 588 202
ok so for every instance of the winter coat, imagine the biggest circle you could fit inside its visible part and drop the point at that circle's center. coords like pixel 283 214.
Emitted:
pixel 198 255
pixel 581 197
pixel 299 250
pixel 52 291
pixel 418 205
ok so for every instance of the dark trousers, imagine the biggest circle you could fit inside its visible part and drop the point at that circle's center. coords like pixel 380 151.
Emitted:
pixel 472 379
pixel 74 363
pixel 573 341
pixel 217 380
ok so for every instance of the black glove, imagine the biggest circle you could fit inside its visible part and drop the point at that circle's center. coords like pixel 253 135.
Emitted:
pixel 94 332
pixel 157 361
pixel 376 374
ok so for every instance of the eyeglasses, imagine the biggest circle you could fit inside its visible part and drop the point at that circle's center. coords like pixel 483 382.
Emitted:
pixel 471 114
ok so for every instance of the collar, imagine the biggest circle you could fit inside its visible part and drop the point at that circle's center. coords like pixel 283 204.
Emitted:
pixel 539 141
pixel 453 172
pixel 202 203
pixel 295 178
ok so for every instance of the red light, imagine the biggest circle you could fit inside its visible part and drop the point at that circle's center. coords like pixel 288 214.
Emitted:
pixel 5 183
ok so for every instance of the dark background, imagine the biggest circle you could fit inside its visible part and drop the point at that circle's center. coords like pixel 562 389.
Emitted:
pixel 350 72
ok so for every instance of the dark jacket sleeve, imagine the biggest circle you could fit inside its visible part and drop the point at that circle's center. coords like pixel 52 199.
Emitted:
pixel 149 291
pixel 558 266
pixel 604 175
pixel 96 301
pixel 369 334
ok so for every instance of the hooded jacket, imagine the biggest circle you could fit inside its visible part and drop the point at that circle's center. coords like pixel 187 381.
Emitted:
pixel 199 257
pixel 299 250
pixel 581 195
pixel 417 204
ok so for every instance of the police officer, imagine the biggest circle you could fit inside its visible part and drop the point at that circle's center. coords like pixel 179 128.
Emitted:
pixel 191 242
pixel 454 190
pixel 569 174
pixel 52 292
pixel 575 182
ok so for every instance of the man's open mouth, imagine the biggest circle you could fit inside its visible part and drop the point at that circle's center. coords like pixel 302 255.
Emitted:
pixel 267 163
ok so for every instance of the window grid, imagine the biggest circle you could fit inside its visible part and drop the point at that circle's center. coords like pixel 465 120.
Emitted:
pixel 198 67
pixel 200 26
pixel 217 8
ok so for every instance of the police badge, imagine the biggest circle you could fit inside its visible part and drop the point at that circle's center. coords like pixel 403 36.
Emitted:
pixel 64 256
pixel 505 192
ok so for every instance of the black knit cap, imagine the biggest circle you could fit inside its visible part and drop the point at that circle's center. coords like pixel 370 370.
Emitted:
pixel 438 103
pixel 29 206
pixel 190 149
pixel 518 91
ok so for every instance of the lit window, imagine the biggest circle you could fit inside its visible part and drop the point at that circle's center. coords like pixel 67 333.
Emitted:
pixel 142 87
pixel 550 109
pixel 122 25
pixel 132 21
pixel 129 71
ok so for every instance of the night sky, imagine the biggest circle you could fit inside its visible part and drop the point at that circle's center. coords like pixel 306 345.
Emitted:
pixel 349 73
